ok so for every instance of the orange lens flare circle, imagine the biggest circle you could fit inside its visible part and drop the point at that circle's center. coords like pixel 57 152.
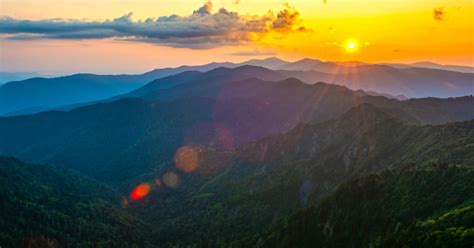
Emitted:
pixel 171 179
pixel 140 191
pixel 186 159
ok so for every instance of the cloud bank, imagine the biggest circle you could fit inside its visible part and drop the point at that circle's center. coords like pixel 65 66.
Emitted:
pixel 201 29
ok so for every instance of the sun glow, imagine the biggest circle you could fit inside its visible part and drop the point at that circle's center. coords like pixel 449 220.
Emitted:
pixel 351 45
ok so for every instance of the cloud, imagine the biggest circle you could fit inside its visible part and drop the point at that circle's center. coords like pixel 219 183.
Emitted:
pixel 202 29
pixel 205 10
pixel 287 19
pixel 438 14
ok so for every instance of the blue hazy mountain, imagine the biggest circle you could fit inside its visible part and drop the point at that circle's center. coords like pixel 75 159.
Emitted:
pixel 208 83
pixel 46 93
pixel 431 65
pixel 6 77
pixel 39 94
pixel 410 82
pixel 373 79
pixel 427 64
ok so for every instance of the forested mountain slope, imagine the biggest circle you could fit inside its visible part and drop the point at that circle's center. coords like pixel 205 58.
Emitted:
pixel 430 207
pixel 46 206
pixel 221 197
pixel 233 195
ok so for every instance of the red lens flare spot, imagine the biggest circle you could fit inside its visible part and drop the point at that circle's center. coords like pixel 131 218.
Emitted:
pixel 186 159
pixel 140 191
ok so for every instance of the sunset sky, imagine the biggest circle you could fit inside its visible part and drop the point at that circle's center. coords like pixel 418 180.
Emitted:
pixel 60 37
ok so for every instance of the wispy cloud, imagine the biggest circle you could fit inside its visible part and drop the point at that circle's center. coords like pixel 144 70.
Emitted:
pixel 202 29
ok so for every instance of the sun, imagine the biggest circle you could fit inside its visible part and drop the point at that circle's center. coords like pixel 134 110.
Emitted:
pixel 351 45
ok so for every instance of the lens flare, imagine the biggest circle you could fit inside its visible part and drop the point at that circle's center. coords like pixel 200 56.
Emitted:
pixel 171 179
pixel 140 191
pixel 186 159
pixel 157 182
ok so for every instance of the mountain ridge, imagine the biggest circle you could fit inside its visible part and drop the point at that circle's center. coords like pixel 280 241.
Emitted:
pixel 20 96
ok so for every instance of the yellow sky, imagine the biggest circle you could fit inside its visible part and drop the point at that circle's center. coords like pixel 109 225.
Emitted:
pixel 387 30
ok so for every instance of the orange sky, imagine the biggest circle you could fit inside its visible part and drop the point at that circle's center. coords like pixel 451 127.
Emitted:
pixel 387 31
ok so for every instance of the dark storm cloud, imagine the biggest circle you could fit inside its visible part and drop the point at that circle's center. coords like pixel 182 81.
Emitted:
pixel 202 29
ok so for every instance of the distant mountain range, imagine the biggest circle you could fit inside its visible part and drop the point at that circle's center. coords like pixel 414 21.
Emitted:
pixel 208 109
pixel 375 79
pixel 408 83
pixel 47 93
pixel 6 77
pixel 40 94
pixel 430 65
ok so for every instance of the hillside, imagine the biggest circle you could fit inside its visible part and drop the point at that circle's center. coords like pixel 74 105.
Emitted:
pixel 431 207
pixel 111 141
pixel 234 195
pixel 364 131
pixel 223 197
pixel 43 205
